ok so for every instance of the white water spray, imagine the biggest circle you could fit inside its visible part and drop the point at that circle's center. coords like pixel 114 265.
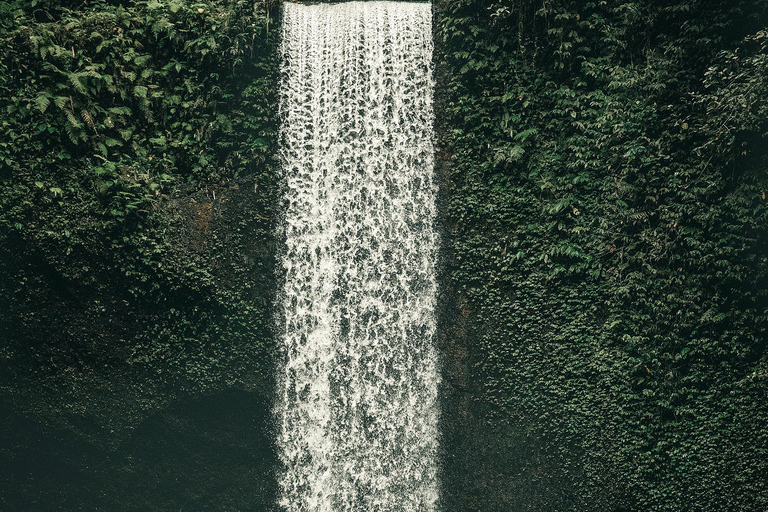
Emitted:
pixel 358 407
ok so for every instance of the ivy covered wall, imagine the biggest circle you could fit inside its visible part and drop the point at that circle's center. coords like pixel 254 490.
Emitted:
pixel 605 177
pixel 137 191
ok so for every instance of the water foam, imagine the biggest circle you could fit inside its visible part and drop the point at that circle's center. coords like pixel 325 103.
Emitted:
pixel 358 407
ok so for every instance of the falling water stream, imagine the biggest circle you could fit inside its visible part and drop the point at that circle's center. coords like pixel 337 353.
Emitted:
pixel 358 406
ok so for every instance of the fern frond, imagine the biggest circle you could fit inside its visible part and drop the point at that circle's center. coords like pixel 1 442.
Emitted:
pixel 72 119
pixel 88 119
pixel 43 102
pixel 73 134
pixel 60 101
pixel 74 79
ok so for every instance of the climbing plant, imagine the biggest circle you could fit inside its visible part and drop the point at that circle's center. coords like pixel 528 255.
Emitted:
pixel 136 200
pixel 604 199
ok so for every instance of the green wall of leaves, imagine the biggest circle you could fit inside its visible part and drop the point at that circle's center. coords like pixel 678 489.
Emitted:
pixel 605 263
pixel 126 134
pixel 137 200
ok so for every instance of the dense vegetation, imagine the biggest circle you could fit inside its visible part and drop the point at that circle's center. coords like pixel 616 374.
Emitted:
pixel 136 218
pixel 604 175
pixel 605 203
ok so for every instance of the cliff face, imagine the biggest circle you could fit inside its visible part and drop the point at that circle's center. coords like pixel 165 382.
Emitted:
pixel 138 255
pixel 603 290
pixel 605 256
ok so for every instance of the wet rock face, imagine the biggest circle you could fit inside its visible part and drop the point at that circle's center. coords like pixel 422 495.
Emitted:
pixel 103 361
pixel 210 453
pixel 108 323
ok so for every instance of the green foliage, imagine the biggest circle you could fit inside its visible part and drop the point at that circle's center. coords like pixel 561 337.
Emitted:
pixel 136 197
pixel 604 199
pixel 606 165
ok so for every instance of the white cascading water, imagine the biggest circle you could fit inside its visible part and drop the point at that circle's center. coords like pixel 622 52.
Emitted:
pixel 358 407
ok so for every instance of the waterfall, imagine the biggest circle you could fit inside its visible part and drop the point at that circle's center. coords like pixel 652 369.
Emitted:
pixel 358 384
